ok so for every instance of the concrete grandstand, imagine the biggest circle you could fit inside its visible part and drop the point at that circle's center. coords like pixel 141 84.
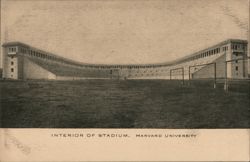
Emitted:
pixel 227 59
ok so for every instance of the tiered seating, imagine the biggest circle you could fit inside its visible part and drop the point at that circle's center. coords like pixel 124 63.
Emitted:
pixel 206 60
pixel 210 72
pixel 70 70
pixel 60 69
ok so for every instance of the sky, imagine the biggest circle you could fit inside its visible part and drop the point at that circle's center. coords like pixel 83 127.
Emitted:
pixel 123 31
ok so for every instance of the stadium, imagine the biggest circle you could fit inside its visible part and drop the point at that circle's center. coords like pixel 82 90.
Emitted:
pixel 227 59
pixel 44 90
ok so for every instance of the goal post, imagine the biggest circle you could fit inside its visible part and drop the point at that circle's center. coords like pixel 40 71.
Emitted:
pixel 193 66
pixel 244 61
pixel 178 69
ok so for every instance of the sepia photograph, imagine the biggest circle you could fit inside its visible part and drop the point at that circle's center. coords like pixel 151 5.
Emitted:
pixel 125 64
pixel 124 80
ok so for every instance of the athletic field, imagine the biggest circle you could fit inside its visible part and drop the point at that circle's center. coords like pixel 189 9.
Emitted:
pixel 123 104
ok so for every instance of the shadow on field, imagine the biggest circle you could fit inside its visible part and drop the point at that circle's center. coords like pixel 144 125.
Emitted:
pixel 123 104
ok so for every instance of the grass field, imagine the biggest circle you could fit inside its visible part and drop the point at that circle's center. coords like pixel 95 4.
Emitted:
pixel 123 104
